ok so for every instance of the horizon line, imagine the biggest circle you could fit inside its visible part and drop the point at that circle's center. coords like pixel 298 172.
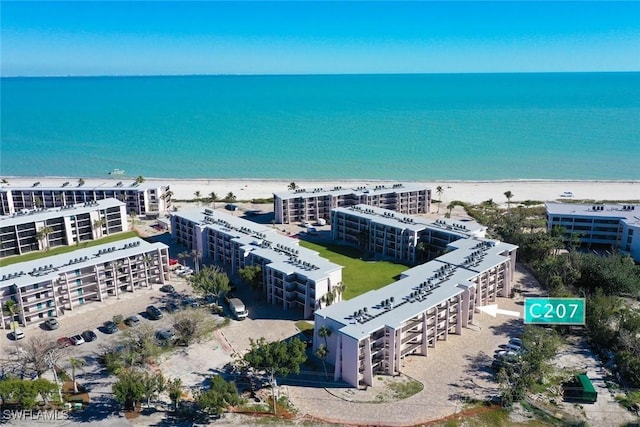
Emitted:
pixel 315 74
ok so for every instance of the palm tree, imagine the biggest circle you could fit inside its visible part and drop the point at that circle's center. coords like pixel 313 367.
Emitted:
pixel 10 307
pixel 175 391
pixel 195 255
pixel 508 195
pixel 139 179
pixel 292 186
pixel 98 224
pixel 184 255
pixel 322 352
pixel 324 332
pixel 132 215
pixel 75 363
pixel 439 190
pixel 230 197
pixel 213 198
pixel 80 182
pixel 197 196
pixel 450 206
pixel 166 196
pixel 43 235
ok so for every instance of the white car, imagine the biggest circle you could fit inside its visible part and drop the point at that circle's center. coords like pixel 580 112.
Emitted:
pixel 18 334
pixel 76 340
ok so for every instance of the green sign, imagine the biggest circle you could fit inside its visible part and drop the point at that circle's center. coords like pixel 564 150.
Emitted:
pixel 554 311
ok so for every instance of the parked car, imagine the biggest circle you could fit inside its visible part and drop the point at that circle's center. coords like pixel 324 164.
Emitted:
pixel 63 342
pixel 191 302
pixel 18 334
pixel 513 347
pixel 516 341
pixel 51 323
pixel 167 288
pixel 110 327
pixel 132 321
pixel 76 340
pixel 231 207
pixel 165 334
pixel 184 271
pixel 154 312
pixel 171 306
pixel 89 336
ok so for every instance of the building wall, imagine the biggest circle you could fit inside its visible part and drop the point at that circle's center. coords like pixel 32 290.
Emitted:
pixel 140 199
pixel 233 247
pixel 70 225
pixel 47 288
pixel 382 351
pixel 302 205
pixel 603 225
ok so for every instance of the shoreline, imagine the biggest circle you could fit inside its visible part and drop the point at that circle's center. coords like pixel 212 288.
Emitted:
pixel 467 191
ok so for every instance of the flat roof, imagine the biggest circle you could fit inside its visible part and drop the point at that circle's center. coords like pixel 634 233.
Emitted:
pixel 460 228
pixel 627 212
pixel 42 214
pixel 48 268
pixel 89 185
pixel 420 288
pixel 358 190
pixel 284 253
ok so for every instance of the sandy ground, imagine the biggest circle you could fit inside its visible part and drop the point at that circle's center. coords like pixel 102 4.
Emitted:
pixel 468 191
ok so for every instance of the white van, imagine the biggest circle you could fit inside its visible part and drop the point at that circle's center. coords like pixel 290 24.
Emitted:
pixel 238 308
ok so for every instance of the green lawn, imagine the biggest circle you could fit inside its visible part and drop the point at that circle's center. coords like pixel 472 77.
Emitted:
pixel 359 276
pixel 30 256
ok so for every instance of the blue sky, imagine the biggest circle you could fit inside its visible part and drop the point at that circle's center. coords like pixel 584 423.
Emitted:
pixel 118 38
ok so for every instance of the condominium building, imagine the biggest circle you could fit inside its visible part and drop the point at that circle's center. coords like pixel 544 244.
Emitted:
pixel 42 228
pixel 316 204
pixel 53 285
pixel 614 226
pixel 139 198
pixel 293 276
pixel 396 236
pixel 374 332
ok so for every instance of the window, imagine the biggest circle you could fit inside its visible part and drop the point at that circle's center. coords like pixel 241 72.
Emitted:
pixel 80 291
pixel 78 272
pixel 39 306
pixel 36 286
pixel 78 282
pixel 81 301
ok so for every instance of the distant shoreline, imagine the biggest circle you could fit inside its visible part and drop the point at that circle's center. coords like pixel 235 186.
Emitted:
pixel 82 76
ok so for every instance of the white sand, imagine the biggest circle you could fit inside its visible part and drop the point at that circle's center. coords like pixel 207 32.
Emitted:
pixel 467 191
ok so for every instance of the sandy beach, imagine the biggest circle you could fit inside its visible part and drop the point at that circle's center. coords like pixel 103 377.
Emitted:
pixel 467 191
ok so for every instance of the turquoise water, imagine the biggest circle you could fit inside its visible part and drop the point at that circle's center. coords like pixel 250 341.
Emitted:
pixel 389 127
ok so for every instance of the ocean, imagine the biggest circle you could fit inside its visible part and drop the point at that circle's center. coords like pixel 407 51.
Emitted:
pixel 556 126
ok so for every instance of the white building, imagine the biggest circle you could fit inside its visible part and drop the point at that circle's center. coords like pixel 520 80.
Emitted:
pixel 400 237
pixel 22 232
pixel 372 333
pixel 293 276
pixel 53 285
pixel 316 204
pixel 615 226
pixel 140 198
